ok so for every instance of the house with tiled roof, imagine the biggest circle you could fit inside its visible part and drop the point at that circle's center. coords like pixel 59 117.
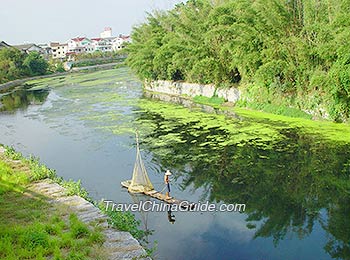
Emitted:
pixel 4 45
pixel 119 42
pixel 80 45
pixel 101 44
pixel 29 47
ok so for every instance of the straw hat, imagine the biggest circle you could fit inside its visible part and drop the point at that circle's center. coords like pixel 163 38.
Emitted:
pixel 168 172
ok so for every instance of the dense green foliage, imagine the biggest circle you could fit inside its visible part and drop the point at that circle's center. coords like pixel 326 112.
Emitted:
pixel 284 52
pixel 36 64
pixel 14 64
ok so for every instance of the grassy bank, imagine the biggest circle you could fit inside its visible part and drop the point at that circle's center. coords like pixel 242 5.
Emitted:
pixel 92 62
pixel 30 227
pixel 33 228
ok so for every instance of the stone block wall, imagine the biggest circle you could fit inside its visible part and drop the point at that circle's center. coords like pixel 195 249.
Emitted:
pixel 192 90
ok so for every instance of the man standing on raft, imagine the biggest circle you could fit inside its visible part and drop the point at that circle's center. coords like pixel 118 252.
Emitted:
pixel 167 182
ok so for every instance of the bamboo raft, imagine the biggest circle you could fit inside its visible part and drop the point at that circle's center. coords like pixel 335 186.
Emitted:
pixel 159 196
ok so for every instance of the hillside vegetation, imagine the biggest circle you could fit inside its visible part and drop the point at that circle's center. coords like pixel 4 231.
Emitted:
pixel 293 53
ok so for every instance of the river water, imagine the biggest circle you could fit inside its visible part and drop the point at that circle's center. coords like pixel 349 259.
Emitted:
pixel 292 175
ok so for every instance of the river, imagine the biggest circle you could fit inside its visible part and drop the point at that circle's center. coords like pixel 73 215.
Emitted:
pixel 293 175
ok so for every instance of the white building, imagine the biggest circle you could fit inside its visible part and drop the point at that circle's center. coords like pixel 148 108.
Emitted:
pixel 46 49
pixel 80 45
pixel 101 44
pixel 58 50
pixel 106 33
pixel 118 42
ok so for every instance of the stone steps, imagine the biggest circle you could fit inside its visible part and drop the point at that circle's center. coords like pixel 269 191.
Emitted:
pixel 119 244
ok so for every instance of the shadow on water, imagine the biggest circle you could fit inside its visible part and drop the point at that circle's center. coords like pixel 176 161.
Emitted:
pixel 288 184
pixel 20 99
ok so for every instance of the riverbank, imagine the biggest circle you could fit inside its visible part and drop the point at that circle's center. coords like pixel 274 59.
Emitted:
pixel 228 97
pixel 328 130
pixel 18 82
pixel 192 90
pixel 39 217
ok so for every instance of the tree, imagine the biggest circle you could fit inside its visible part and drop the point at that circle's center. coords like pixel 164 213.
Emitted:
pixel 11 64
pixel 35 64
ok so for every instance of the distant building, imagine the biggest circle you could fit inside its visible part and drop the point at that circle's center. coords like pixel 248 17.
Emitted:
pixel 46 50
pixel 4 45
pixel 101 44
pixel 58 50
pixel 30 47
pixel 80 45
pixel 119 42
pixel 106 33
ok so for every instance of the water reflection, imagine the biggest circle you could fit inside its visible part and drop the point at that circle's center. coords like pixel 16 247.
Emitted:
pixel 22 98
pixel 285 183
pixel 171 216
pixel 188 103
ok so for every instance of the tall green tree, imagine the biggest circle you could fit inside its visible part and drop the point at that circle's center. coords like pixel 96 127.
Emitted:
pixel 11 64
pixel 35 64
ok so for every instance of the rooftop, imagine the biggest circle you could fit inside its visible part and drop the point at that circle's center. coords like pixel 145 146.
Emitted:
pixel 4 45
pixel 25 46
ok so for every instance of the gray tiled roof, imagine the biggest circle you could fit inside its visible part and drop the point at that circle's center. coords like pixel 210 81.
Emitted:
pixel 4 45
pixel 24 46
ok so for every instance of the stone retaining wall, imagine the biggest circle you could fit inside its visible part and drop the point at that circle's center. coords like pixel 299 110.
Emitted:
pixel 191 89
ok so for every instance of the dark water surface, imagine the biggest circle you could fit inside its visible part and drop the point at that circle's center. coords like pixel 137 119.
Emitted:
pixel 295 183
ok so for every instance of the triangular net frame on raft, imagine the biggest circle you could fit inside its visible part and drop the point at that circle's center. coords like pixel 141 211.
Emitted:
pixel 140 181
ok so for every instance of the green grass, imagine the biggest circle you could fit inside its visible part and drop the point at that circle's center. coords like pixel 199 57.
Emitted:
pixel 275 109
pixel 124 221
pixel 50 237
pixel 10 180
pixel 31 229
